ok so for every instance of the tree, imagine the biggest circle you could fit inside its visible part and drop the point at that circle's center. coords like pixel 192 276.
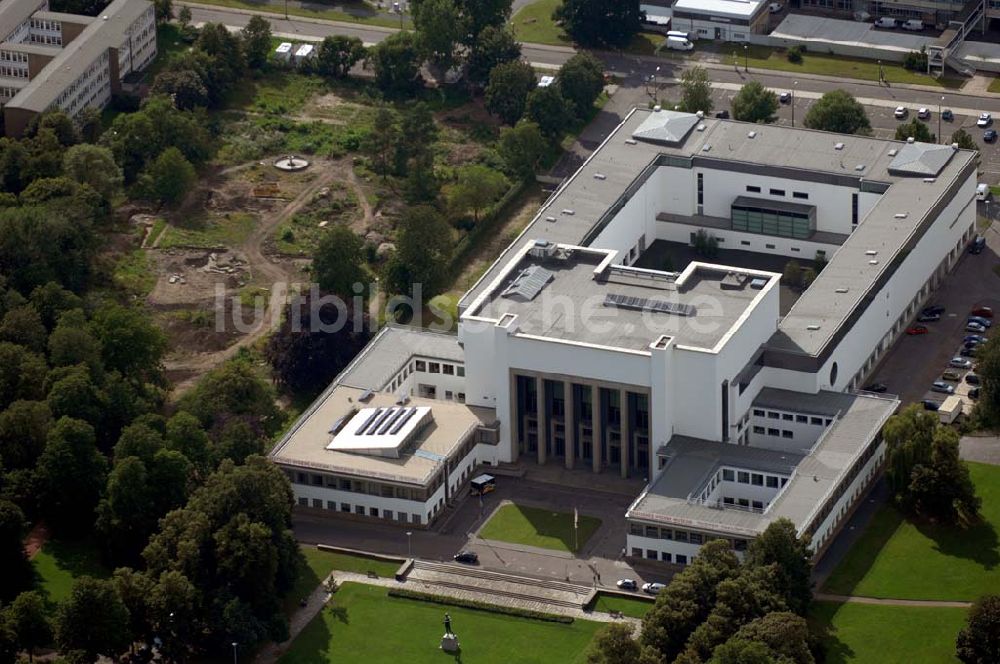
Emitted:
pixel 164 10
pixel 417 133
pixel 755 103
pixel 916 130
pixel 548 109
pixel 71 475
pixel 186 435
pixel 838 111
pixel 779 545
pixel 170 177
pixel 780 635
pixel 494 46
pixel 581 80
pixel 23 428
pixel 184 86
pixel 964 140
pixel 256 36
pixel 600 22
pixel 508 88
pixel 943 489
pixel 134 588
pixel 422 183
pixel 396 61
pixel 30 619
pixel 337 54
pixel 94 165
pixel 792 275
pixel 423 251
pixel 73 342
pixel 339 262
pixel 613 644
pixel 131 343
pixel 988 369
pixel 18 573
pixel 23 326
pixel 979 640
pixel 439 28
pixel 234 388
pixel 93 620
pixel 382 141
pixel 522 148
pixel 477 187
pixel 22 374
pixel 907 436
pixel 482 14
pixel 696 91
pixel 184 16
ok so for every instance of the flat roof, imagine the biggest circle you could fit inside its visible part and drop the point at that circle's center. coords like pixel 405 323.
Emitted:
pixel 393 346
pixel 28 47
pixel 737 8
pixel 858 419
pixel 622 162
pixel 107 31
pixel 64 17
pixel 581 302
pixel 13 13
pixel 306 445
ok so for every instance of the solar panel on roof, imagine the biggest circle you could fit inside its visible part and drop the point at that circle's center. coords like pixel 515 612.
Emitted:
pixel 392 420
pixel 402 421
pixel 371 418
pixel 529 283
pixel 649 304
pixel 378 421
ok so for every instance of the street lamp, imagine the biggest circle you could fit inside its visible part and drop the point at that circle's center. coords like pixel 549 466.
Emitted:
pixel 939 119
pixel 234 652
pixel 409 540
pixel 746 58
pixel 878 72
pixel 794 86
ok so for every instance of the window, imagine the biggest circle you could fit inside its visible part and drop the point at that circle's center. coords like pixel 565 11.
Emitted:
pixel 387 514
pixel 372 511
pixel 795 249
pixel 680 536
pixel 744 243
pixel 743 477
pixel 854 209
pixel 696 538
pixel 757 479
pixel 403 516
pixel 701 191
pixel 359 509
pixel 652 531
pixel 777 192
pixel 461 397
pixel 636 552
pixel 817 421
pixel 785 433
pixel 421 366
pixel 448 369
pixel 331 505
pixel 635 529
pixel 788 417
pixel 740 545
pixel 801 419
pixel 743 502
pixel 651 554
pixel 758 505
pixel 728 475
pixel 682 559
pixel 772 482
pixel 800 194
pixel 666 533
pixel 460 370
pixel 771 415
pixel 752 189
pixel 448 394
pixel 758 412
pixel 828 421
pixel 317 480
pixel 304 502
pixel 665 557
pixel 317 503
pixel 773 432
pixel 726 500
pixel 435 367
pixel 769 246
pixel 345 507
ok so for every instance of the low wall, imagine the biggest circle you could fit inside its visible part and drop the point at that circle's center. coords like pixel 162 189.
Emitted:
pixel 815 46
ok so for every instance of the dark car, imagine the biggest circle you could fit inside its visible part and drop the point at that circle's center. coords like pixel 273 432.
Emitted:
pixel 785 97
pixel 722 115
pixel 972 379
pixel 930 404
pixel 990 135
pixel 978 338
pixel 947 115
pixel 977 245
pixel 933 309
pixel 928 318
pixel 971 344
pixel 876 387
pixel 968 352
pixel 469 557
pixel 974 393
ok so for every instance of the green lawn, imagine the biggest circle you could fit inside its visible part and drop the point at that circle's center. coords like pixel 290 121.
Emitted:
pixel 533 24
pixel 326 14
pixel 994 85
pixel 133 274
pixel 887 634
pixel 60 562
pixel 766 57
pixel 632 607
pixel 364 624
pixel 538 527
pixel 899 559
pixel 228 231
pixel 319 564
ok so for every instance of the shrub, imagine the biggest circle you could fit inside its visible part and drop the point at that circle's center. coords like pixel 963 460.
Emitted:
pixel 794 56
pixel 478 606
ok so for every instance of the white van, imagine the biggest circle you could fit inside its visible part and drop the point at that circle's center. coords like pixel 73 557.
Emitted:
pixel 679 44
pixel 885 22
pixel 679 34
pixel 982 192
pixel 914 24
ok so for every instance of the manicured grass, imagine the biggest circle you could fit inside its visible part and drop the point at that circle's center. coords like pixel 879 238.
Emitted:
pixel 534 24
pixel 646 43
pixel 364 624
pixel 633 608
pixel 327 14
pixel 897 558
pixel 887 634
pixel 766 57
pixel 538 527
pixel 318 564
pixel 59 563
pixel 228 231
pixel 994 85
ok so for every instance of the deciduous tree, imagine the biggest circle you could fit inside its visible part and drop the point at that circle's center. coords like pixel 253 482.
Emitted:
pixel 581 80
pixel 439 27
pixel 337 54
pixel 170 177
pixel 94 165
pixel 93 621
pixel 964 140
pixel 423 252
pixel 396 61
pixel 979 640
pixel 600 22
pixel 755 103
pixel 696 91
pixel 548 109
pixel 256 36
pixel 494 46
pixel 476 188
pixel 508 88
pixel 29 617
pixel 838 111
pixel 779 545
pixel 522 148
pixel 338 264
pixel 17 575
pixel 916 130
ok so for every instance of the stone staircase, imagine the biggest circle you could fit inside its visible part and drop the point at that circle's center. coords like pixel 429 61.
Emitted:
pixel 516 589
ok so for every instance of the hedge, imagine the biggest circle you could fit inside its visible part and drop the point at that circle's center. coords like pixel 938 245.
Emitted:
pixel 479 606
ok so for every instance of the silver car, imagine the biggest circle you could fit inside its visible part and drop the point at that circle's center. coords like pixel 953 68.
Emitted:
pixel 942 387
pixel 959 363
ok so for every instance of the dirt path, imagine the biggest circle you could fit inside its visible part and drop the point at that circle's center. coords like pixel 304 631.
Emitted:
pixel 263 270
pixel 854 599
pixel 366 206
pixel 36 539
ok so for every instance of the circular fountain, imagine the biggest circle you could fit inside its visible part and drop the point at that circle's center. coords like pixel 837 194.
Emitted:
pixel 291 164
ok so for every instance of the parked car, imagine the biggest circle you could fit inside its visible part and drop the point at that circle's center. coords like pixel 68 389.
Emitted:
pixel 971 344
pixel 942 387
pixel 985 120
pixel 878 388
pixel 785 97
pixel 923 113
pixel 930 404
pixel 951 375
pixel 972 379
pixel 914 24
pixel 978 338
pixel 626 584
pixel 977 245
pixel 916 329
pixel 722 115
pixel 928 318
pixel 969 352
pixel 652 588
pixel 982 312
pixel 933 309
pixel 947 115
pixel 982 191
pixel 469 557
pixel 959 363
pixel 775 7
pixel 974 393
pixel 885 22
pixel 985 322
pixel 900 112
pixel 990 135
pixel 972 327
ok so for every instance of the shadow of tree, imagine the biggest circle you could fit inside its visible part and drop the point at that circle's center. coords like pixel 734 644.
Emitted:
pixel 977 541
pixel 824 642
pixel 862 556
pixel 340 613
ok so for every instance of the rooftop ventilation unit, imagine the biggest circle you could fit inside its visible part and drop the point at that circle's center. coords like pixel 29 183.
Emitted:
pixel 954 146
pixel 910 139
pixel 893 152
pixel 706 148
pixel 543 249
pixel 657 108
pixel 871 252
pixel 600 176
pixel 812 328
pixel 528 283
pixel 752 134
pixel 366 396
pixel 648 304
pixel 930 180
pixel 630 141
pixel 700 114
pixel 900 215
pixel 838 146
pixel 700 127
pixel 873 262
pixel 840 290
pixel 550 219
pixel 859 167
pixel 567 211
pixel 758 283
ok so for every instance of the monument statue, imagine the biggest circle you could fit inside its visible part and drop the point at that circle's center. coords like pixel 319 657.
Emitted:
pixel 449 642
pixel 447 624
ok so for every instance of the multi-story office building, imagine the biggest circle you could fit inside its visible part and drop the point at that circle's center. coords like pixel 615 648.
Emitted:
pixel 735 398
pixel 66 61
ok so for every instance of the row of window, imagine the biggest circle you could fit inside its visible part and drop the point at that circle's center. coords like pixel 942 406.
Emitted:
pixel 48 40
pixel 755 479
pixel 654 532
pixel 651 554
pixel 361 510
pixel 427 366
pixel 784 433
pixel 45 24
pixel 13 71
pixel 789 417
pixel 366 486
pixel 801 195
pixel 772 222
pixel 13 56
pixel 755 505
pixel 7 93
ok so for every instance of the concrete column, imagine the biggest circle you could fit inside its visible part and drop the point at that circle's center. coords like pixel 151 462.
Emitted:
pixel 543 418
pixel 626 439
pixel 515 438
pixel 597 426
pixel 569 423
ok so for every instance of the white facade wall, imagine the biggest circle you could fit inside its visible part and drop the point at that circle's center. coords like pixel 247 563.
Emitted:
pixel 325 494
pixel 706 27
pixel 737 490
pixel 662 546
pixel 843 506
pixel 762 244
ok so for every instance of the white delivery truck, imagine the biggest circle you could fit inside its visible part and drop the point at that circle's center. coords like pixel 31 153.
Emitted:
pixel 950 409
pixel 679 44
pixel 886 22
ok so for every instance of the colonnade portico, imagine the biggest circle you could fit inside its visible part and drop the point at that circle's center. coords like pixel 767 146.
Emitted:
pixel 598 424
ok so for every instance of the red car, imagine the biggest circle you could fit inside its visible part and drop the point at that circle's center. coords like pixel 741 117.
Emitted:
pixel 917 329
pixel 982 312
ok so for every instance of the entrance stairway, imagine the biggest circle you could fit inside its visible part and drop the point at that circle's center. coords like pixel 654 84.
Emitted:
pixel 500 585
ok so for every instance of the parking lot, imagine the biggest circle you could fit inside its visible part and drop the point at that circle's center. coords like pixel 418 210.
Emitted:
pixel 916 361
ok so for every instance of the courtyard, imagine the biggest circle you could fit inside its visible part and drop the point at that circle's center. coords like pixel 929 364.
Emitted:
pixel 543 528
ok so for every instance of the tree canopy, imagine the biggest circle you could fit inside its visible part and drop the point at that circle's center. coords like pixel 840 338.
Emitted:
pixel 755 103
pixel 916 130
pixel 396 61
pixel 508 88
pixel 838 111
pixel 979 640
pixel 696 91
pixel 423 252
pixel 581 80
pixel 600 22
